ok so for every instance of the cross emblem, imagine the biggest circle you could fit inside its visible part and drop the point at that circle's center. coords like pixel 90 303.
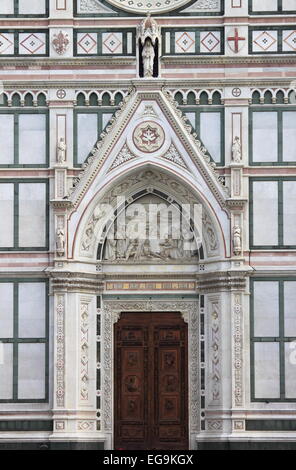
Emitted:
pixel 61 94
pixel 236 39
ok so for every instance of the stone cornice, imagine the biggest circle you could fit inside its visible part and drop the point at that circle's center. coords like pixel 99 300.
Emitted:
pixel 76 282
pixel 71 61
pixel 227 60
pixel 61 204
pixel 236 204
pixel 221 281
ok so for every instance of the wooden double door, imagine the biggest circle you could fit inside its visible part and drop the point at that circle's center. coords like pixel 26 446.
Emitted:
pixel 151 381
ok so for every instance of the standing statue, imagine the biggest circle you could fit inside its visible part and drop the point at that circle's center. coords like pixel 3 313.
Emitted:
pixel 148 36
pixel 237 240
pixel 236 150
pixel 148 55
pixel 60 241
pixel 61 153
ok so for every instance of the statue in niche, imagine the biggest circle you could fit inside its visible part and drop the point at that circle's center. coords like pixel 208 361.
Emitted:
pixel 148 55
pixel 148 36
pixel 237 240
pixel 60 241
pixel 61 151
pixel 236 150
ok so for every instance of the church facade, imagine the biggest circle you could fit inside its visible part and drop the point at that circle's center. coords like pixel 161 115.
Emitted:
pixel 148 237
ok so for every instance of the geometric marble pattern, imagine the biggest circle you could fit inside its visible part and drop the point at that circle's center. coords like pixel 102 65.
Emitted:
pixel 6 43
pixel 264 41
pixel 32 43
pixel 87 43
pixel 210 42
pixel 112 43
pixel 184 42
pixel 289 40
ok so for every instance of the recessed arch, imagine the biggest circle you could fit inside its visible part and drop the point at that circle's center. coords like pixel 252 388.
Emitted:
pixel 133 180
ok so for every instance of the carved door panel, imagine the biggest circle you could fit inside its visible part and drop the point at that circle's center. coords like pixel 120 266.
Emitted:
pixel 151 403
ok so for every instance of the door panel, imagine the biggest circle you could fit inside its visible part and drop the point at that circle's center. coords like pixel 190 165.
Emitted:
pixel 151 403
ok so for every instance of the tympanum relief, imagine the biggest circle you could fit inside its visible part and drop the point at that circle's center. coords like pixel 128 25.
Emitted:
pixel 151 230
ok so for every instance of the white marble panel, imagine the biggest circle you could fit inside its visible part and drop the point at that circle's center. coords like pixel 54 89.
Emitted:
pixel 106 118
pixel 290 308
pixel 6 371
pixel 32 7
pixel 266 308
pixel 7 215
pixel 265 137
pixel 87 134
pixel 289 5
pixel 210 134
pixel 31 371
pixel 265 5
pixel 290 370
pixel 32 139
pixel 289 136
pixel 31 310
pixel 289 208
pixel 6 310
pixel 267 370
pixel 192 119
pixel 32 214
pixel 6 7
pixel 6 139
pixel 265 213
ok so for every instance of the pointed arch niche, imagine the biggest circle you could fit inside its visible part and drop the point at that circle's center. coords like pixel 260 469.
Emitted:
pixel 148 184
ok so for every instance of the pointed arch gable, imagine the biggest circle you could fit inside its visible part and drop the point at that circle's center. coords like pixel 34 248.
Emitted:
pixel 134 179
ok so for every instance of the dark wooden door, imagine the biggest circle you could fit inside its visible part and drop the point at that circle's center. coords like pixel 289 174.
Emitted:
pixel 151 381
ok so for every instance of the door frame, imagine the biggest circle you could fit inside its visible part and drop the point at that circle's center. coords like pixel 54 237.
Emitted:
pixel 110 314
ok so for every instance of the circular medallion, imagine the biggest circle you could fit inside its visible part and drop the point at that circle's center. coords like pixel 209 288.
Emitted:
pixel 151 6
pixel 236 92
pixel 61 94
pixel 148 136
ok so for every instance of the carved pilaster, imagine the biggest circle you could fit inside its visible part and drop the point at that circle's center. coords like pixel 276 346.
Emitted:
pixel 237 350
pixel 214 349
pixel 60 307
pixel 84 350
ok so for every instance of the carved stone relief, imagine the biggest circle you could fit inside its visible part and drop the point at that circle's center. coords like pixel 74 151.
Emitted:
pixel 132 183
pixel 84 348
pixel 60 350
pixel 238 349
pixel 214 314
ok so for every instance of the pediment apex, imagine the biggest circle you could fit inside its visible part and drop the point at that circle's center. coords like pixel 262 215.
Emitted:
pixel 153 122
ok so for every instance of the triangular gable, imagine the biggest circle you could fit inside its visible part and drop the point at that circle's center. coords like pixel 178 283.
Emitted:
pixel 148 127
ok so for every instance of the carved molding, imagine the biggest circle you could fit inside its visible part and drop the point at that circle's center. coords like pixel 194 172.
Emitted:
pixel 110 314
